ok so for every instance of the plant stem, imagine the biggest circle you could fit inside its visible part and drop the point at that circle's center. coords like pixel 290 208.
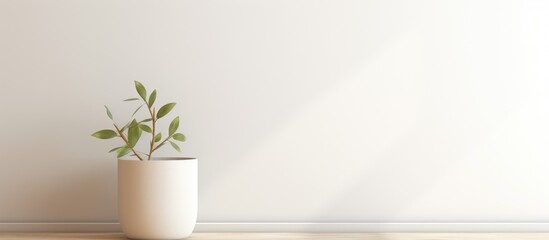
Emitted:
pixel 167 138
pixel 126 141
pixel 153 131
pixel 142 153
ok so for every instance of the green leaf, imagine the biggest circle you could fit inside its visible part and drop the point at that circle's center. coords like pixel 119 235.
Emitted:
pixel 141 90
pixel 125 126
pixel 131 99
pixel 173 126
pixel 105 134
pixel 175 146
pixel 133 123
pixel 115 149
pixel 152 98
pixel 164 110
pixel 136 110
pixel 146 120
pixel 158 137
pixel 179 137
pixel 122 152
pixel 145 128
pixel 108 112
pixel 134 133
pixel 128 125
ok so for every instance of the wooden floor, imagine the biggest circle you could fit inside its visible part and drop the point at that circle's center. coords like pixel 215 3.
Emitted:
pixel 274 236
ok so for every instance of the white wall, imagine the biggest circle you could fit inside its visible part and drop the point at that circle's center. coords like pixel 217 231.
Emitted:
pixel 299 111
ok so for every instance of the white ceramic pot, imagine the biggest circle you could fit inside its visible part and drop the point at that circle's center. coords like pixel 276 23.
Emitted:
pixel 158 199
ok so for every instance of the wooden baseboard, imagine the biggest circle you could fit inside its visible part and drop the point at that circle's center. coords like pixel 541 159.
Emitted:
pixel 288 227
pixel 289 236
pixel 59 227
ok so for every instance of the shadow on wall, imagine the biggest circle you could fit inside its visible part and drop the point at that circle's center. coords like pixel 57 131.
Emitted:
pixel 313 65
pixel 60 191
pixel 266 119
pixel 77 196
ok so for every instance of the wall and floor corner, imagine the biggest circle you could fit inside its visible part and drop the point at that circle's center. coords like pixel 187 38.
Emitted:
pixel 319 115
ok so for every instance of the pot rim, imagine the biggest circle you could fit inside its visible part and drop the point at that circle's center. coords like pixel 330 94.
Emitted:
pixel 160 159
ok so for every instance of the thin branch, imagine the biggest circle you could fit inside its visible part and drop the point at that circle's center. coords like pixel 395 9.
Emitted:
pixel 153 131
pixel 167 138
pixel 126 141
pixel 142 153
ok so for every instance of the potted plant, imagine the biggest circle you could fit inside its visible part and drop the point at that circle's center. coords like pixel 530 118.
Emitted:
pixel 157 197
